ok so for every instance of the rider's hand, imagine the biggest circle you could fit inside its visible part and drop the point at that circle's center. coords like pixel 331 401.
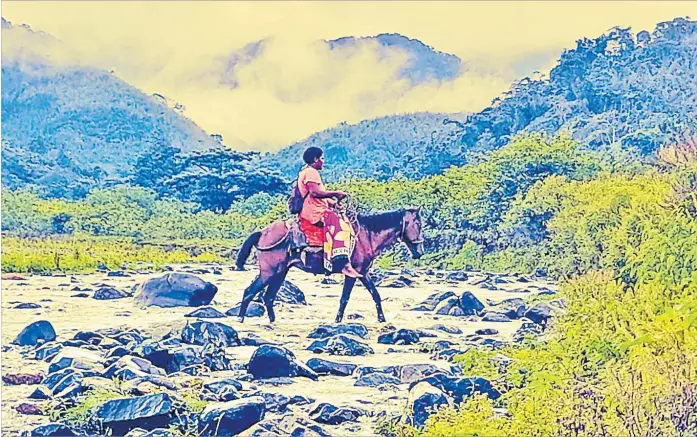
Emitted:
pixel 341 195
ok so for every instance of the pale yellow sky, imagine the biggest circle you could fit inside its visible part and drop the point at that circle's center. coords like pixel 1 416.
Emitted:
pixel 298 87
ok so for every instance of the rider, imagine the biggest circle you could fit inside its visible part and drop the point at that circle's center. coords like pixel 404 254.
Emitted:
pixel 318 209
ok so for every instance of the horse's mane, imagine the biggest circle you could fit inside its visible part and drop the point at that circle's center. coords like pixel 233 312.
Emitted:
pixel 381 221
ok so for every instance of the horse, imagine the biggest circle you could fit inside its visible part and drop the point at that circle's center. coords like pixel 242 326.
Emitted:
pixel 375 234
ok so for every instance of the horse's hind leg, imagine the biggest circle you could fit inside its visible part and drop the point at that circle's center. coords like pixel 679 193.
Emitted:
pixel 376 296
pixel 251 291
pixel 275 284
pixel 345 295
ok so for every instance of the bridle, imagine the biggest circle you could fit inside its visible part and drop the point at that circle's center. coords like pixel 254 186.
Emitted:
pixel 404 228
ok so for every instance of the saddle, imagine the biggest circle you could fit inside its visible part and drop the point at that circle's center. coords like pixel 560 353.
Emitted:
pixel 279 232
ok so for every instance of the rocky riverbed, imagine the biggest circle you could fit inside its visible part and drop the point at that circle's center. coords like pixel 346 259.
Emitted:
pixel 303 375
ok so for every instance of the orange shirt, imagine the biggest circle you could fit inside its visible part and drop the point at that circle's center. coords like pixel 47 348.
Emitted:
pixel 313 208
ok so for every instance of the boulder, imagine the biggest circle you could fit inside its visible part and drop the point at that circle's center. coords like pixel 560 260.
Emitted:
pixel 376 379
pixel 176 289
pixel 326 331
pixel 461 388
pixel 448 329
pixel 457 276
pixel 341 345
pixel 205 313
pixel 202 332
pixel 324 367
pixel 79 359
pixel 52 430
pixel 446 305
pixel 402 336
pixel 540 313
pixel 81 386
pixel 487 331
pixel 271 361
pixel 47 351
pixel 433 300
pixel 331 415
pixel 470 304
pixel 513 308
pixel 492 316
pixel 288 293
pixel 147 412
pixel 253 310
pixel 409 373
pixel 130 367
pixel 34 333
pixel 231 418
pixel 109 293
pixel 423 400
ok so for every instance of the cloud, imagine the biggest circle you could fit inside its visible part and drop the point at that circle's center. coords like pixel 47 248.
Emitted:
pixel 298 86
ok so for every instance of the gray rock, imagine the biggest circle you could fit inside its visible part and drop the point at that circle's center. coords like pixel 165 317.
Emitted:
pixel 47 351
pixel 52 430
pixel 41 331
pixel 423 400
pixel 446 305
pixel 176 289
pixel 332 415
pixel 346 345
pixel 271 361
pixel 470 305
pixel 435 299
pixel 448 329
pixel 324 367
pixel 202 332
pixel 205 313
pixel 402 336
pixel 231 418
pixel 147 412
pixel 253 310
pixel 110 293
pixel 376 379
pixel 326 331
pixel 76 358
pixel 540 313
pixel 492 316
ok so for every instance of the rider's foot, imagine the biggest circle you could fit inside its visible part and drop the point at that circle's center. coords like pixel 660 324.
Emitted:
pixel 351 272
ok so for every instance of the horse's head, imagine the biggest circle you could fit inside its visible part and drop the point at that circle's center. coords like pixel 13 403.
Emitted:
pixel 411 232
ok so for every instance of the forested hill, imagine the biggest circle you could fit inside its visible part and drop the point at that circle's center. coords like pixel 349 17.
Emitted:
pixel 636 90
pixel 70 129
pixel 378 148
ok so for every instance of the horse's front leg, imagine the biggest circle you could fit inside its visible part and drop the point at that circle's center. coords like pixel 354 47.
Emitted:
pixel 275 284
pixel 249 294
pixel 375 295
pixel 345 296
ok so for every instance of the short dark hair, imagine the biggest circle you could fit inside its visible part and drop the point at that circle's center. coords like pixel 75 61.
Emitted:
pixel 311 154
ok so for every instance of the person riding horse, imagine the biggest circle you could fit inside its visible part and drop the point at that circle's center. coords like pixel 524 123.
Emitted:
pixel 319 220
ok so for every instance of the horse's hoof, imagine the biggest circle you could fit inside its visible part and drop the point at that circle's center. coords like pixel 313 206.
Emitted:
pixel 240 319
pixel 381 320
pixel 338 320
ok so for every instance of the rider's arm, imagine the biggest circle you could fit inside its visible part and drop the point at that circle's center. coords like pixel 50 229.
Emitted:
pixel 318 193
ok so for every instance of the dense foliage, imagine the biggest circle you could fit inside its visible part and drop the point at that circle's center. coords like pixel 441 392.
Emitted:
pixel 637 91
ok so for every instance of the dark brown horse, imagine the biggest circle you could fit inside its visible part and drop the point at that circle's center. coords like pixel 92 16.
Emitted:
pixel 374 235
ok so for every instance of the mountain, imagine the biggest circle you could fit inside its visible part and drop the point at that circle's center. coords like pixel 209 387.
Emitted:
pixel 70 128
pixel 424 63
pixel 638 91
pixel 378 148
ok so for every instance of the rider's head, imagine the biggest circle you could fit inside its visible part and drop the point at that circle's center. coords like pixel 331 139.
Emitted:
pixel 313 157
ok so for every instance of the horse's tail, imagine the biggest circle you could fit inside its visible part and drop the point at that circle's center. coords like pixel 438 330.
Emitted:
pixel 246 249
